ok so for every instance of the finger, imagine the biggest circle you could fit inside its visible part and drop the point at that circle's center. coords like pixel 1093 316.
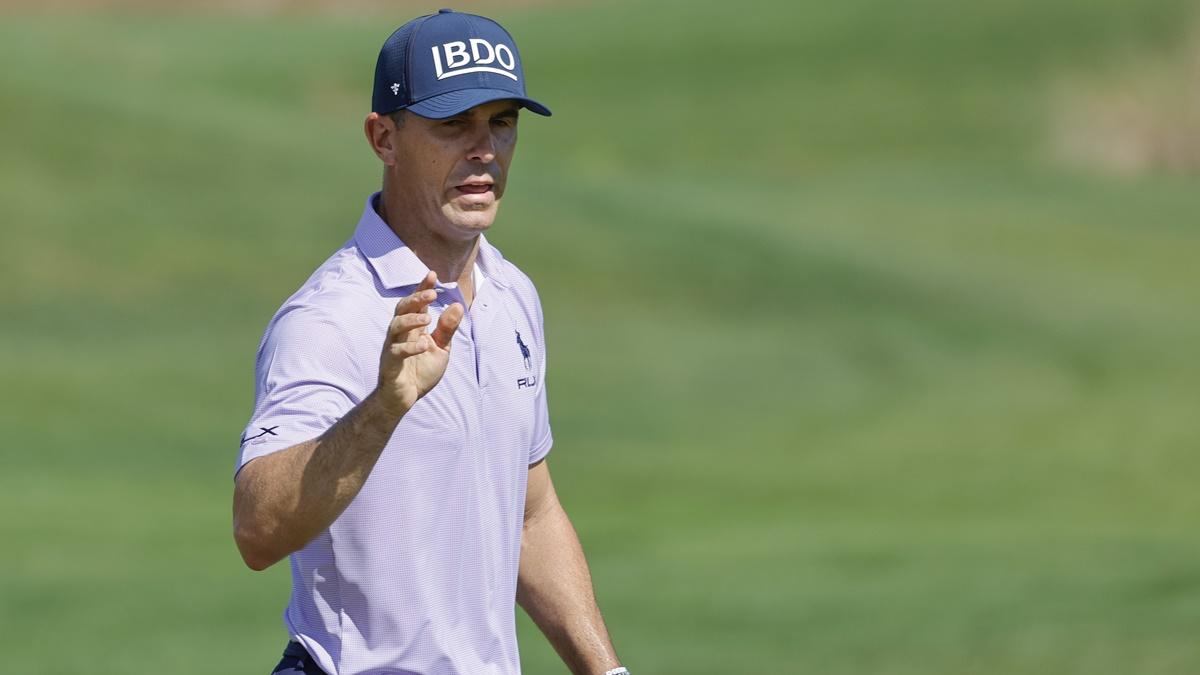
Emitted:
pixel 423 295
pixel 415 302
pixel 405 349
pixel 448 323
pixel 428 282
pixel 401 327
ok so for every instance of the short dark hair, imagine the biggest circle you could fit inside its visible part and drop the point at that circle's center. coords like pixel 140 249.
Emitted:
pixel 398 116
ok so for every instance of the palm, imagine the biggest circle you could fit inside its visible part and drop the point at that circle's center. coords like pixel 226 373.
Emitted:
pixel 413 361
pixel 419 373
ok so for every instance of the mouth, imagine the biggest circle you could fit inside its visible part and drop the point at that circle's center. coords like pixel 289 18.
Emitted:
pixel 475 188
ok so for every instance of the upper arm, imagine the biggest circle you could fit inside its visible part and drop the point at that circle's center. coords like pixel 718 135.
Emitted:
pixel 539 492
pixel 307 377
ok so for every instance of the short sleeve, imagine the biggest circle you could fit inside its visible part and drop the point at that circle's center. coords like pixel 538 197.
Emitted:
pixel 543 439
pixel 306 379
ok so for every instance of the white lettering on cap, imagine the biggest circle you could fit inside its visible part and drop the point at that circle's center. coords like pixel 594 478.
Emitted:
pixel 456 54
pixel 460 61
pixel 476 43
pixel 501 50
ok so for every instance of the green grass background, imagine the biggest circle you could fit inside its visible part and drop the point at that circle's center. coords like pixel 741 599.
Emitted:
pixel 845 376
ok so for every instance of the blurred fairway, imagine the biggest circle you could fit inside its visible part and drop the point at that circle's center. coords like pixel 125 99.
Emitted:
pixel 845 378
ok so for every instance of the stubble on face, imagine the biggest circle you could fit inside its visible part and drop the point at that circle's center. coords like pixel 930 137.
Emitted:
pixel 450 174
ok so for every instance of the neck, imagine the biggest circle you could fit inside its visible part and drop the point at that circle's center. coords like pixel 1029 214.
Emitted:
pixel 452 259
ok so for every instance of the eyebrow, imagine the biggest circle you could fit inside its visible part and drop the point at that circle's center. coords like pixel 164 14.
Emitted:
pixel 507 113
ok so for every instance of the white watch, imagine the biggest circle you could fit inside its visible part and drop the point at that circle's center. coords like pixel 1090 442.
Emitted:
pixel 617 671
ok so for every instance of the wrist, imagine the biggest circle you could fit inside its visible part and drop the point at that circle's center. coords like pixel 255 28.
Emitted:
pixel 390 408
pixel 619 670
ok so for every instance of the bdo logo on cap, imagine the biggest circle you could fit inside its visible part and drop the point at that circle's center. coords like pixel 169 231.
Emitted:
pixel 419 66
pixel 460 61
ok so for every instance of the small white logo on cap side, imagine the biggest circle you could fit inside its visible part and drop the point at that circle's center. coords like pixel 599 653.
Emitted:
pixel 460 61
pixel 395 88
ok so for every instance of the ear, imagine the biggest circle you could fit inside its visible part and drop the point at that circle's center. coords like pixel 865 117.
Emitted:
pixel 381 135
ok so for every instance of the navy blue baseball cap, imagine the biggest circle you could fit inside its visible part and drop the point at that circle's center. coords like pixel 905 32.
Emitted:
pixel 442 64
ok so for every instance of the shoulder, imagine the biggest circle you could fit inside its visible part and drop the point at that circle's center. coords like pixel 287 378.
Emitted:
pixel 342 282
pixel 520 288
pixel 324 312
pixel 522 294
pixel 521 283
pixel 516 279
pixel 343 285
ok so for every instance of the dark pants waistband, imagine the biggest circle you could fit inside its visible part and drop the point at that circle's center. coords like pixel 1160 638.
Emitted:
pixel 297 661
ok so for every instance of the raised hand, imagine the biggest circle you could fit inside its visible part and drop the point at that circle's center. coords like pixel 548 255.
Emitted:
pixel 413 360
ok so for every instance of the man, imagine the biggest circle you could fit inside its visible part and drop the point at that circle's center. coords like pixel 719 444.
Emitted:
pixel 397 447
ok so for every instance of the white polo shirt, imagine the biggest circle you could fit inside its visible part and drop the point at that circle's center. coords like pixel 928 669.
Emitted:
pixel 419 574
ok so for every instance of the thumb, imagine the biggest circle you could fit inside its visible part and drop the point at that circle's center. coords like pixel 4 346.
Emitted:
pixel 447 324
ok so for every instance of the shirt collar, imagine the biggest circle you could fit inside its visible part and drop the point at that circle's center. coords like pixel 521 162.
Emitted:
pixel 396 264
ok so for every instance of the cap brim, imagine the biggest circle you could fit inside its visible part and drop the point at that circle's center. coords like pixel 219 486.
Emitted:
pixel 452 103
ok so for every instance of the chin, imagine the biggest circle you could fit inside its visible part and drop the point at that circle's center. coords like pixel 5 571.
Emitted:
pixel 472 222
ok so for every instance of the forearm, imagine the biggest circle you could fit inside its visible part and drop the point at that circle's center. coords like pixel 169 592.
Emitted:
pixel 555 589
pixel 283 500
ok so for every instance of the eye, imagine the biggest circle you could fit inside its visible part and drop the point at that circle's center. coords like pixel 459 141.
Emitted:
pixel 453 122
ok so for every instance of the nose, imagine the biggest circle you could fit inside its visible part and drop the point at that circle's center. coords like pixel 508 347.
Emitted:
pixel 483 145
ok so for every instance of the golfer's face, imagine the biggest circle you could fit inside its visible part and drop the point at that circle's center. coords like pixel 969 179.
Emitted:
pixel 451 172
